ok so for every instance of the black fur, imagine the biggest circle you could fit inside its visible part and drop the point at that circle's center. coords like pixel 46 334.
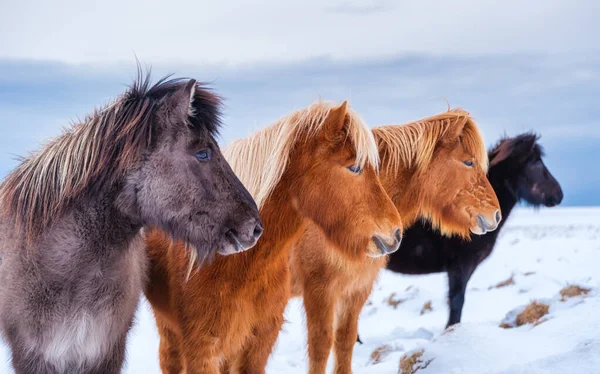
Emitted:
pixel 517 173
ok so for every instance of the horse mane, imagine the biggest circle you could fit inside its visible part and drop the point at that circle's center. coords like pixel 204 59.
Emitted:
pixel 95 153
pixel 413 144
pixel 261 159
pixel 505 147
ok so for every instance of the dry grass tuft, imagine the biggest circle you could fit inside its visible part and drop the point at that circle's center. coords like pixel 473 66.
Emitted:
pixel 531 314
pixel 411 364
pixel 380 353
pixel 394 302
pixel 426 308
pixel 573 291
pixel 509 282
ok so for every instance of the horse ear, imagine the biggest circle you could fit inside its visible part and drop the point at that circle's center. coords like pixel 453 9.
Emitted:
pixel 512 147
pixel 182 100
pixel 526 144
pixel 456 130
pixel 334 123
pixel 189 91
pixel 500 155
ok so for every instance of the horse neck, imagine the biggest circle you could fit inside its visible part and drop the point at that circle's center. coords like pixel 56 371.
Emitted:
pixel 506 197
pixel 403 187
pixel 101 227
pixel 282 226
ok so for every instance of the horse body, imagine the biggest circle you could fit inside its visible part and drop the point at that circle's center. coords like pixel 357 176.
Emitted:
pixel 207 322
pixel 78 305
pixel 227 316
pixel 71 243
pixel 422 171
pixel 516 173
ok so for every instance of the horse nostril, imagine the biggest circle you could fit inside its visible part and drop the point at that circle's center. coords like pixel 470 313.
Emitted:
pixel 232 233
pixel 498 217
pixel 558 196
pixel 554 200
pixel 258 230
pixel 398 235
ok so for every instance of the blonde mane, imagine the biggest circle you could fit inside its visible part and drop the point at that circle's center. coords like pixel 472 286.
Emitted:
pixel 260 160
pixel 413 144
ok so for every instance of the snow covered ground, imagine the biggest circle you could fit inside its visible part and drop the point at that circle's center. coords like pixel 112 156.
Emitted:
pixel 543 251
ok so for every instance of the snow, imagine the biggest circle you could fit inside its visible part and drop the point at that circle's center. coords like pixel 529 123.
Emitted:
pixel 543 251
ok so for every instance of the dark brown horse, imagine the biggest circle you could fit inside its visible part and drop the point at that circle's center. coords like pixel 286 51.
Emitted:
pixel 517 173
pixel 72 255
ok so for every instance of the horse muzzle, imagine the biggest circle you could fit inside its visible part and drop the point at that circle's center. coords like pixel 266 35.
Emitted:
pixel 388 246
pixel 485 224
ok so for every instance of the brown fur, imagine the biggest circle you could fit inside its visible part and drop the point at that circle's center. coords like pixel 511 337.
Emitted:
pixel 422 170
pixel 226 318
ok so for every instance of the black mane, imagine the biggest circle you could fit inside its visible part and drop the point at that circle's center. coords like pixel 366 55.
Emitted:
pixel 424 250
pixel 507 147
pixel 206 104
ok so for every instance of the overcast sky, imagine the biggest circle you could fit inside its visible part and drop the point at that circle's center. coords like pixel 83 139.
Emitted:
pixel 240 32
pixel 516 66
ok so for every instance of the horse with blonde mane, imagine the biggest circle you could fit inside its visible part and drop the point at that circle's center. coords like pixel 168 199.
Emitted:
pixel 433 169
pixel 518 174
pixel 72 255
pixel 318 164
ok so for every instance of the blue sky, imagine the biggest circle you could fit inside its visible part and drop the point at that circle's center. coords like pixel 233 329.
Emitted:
pixel 516 67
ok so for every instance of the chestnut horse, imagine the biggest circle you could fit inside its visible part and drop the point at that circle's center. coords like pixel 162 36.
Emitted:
pixel 318 164
pixel 433 169
pixel 517 173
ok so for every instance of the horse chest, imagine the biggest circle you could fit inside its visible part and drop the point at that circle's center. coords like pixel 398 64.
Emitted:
pixel 348 277
pixel 79 338
pixel 258 300
pixel 96 311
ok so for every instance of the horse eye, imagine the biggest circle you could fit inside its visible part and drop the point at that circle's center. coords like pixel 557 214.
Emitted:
pixel 469 163
pixel 355 169
pixel 204 155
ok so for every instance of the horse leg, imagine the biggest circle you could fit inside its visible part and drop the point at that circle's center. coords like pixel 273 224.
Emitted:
pixel 458 277
pixel 198 349
pixel 253 360
pixel 346 331
pixel 199 357
pixel 169 349
pixel 320 308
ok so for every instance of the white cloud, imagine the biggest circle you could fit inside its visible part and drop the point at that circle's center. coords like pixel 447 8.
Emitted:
pixel 241 32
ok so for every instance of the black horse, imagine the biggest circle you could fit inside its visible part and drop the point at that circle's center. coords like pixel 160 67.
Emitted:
pixel 516 173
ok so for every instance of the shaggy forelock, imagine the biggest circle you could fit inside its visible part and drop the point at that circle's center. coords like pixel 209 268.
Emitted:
pixel 413 144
